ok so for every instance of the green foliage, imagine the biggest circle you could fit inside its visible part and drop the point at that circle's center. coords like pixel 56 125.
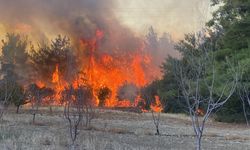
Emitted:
pixel 46 58
pixel 169 89
pixel 14 57
pixel 232 111
pixel 18 98
pixel 14 64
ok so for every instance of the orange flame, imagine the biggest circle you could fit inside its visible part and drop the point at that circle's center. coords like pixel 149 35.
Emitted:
pixel 111 71
pixel 55 76
pixel 58 86
pixel 157 106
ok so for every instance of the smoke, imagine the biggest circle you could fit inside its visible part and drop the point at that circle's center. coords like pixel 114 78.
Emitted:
pixel 82 20
pixel 43 19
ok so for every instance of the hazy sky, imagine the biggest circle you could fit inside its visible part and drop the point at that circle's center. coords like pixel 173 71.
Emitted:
pixel 173 16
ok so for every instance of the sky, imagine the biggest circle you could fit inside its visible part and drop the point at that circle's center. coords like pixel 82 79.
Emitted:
pixel 176 17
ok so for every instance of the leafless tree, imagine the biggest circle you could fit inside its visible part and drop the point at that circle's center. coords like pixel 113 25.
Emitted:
pixel 156 116
pixel 73 112
pixel 49 94
pixel 90 114
pixel 76 105
pixel 200 83
pixel 243 92
pixel 84 94
pixel 7 90
pixel 150 95
pixel 36 95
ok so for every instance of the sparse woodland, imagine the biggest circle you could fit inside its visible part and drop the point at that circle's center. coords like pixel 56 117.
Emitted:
pixel 207 84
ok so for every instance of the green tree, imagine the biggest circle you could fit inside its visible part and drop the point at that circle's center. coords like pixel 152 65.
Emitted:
pixel 46 58
pixel 18 97
pixel 14 65
pixel 232 20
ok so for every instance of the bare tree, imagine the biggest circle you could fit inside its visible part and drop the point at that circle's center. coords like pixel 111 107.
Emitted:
pixel 243 91
pixel 89 113
pixel 156 116
pixel 49 94
pixel 6 91
pixel 149 95
pixel 199 82
pixel 36 95
pixel 73 112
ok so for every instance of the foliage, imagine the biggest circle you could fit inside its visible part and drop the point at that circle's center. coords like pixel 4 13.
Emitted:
pixel 18 98
pixel 14 65
pixel 46 58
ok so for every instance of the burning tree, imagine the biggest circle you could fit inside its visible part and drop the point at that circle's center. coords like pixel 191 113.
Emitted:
pixel 103 94
pixel 200 84
pixel 47 59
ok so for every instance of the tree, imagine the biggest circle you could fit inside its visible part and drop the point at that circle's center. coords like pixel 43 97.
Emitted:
pixel 36 95
pixel 19 98
pixel 49 95
pixel 73 112
pixel 153 103
pixel 13 64
pixel 6 92
pixel 231 23
pixel 84 94
pixel 243 90
pixel 77 104
pixel 232 20
pixel 199 81
pixel 47 57
pixel 103 94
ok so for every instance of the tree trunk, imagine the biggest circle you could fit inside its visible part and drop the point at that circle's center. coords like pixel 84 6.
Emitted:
pixel 198 143
pixel 50 109
pixel 17 109
pixel 244 111
pixel 157 131
pixel 34 117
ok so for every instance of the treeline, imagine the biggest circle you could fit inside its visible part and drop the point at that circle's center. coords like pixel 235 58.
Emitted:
pixel 227 36
pixel 22 66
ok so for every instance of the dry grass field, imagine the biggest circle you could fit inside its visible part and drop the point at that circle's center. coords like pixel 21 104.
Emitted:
pixel 115 130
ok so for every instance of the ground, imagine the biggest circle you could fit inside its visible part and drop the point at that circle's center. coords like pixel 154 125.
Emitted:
pixel 116 130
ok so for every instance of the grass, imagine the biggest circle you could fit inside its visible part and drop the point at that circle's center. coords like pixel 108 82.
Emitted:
pixel 111 130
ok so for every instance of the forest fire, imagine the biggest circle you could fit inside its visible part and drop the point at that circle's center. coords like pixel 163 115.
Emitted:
pixel 110 72
pixel 100 53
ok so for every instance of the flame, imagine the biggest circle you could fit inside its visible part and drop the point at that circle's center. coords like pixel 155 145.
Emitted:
pixel 111 71
pixel 40 84
pixel 55 76
pixel 58 87
pixel 157 106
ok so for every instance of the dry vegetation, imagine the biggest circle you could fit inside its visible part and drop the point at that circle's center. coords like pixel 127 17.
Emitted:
pixel 115 130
